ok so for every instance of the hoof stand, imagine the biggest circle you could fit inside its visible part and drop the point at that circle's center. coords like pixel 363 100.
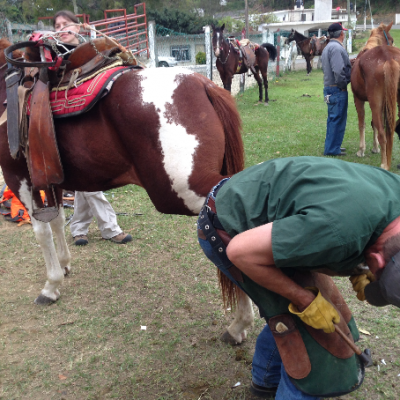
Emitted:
pixel 44 301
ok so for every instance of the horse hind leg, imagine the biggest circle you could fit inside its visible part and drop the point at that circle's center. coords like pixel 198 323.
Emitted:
pixel 375 146
pixel 260 91
pixel 63 254
pixel 244 318
pixel 361 125
pixel 55 275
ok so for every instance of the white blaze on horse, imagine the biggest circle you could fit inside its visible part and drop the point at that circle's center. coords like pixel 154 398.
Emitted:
pixel 168 130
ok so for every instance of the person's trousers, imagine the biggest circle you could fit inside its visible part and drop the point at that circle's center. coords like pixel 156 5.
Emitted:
pixel 94 204
pixel 337 117
pixel 268 370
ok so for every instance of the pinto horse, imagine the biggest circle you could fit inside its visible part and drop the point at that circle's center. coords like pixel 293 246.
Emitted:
pixel 176 142
pixel 375 78
pixel 230 63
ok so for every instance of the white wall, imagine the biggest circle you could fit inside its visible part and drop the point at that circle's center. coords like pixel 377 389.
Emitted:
pixel 323 10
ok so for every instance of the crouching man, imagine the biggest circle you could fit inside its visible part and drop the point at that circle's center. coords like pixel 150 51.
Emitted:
pixel 277 230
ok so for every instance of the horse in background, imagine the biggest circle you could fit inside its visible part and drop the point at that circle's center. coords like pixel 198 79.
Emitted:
pixel 289 53
pixel 375 77
pixel 318 45
pixel 304 44
pixel 229 62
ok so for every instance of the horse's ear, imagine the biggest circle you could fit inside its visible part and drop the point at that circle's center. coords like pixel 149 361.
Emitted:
pixel 222 27
pixel 389 27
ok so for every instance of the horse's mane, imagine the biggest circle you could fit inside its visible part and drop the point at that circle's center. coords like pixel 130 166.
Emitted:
pixel 4 43
pixel 375 39
pixel 300 34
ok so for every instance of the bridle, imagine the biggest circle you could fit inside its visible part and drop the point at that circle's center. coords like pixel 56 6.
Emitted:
pixel 219 48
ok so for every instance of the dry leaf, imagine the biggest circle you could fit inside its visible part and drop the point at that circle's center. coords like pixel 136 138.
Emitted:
pixel 364 331
pixel 62 377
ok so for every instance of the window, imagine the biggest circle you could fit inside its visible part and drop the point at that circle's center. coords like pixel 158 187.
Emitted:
pixel 181 53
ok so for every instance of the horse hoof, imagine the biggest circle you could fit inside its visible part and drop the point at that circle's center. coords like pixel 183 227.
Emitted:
pixel 67 270
pixel 228 338
pixel 44 300
pixel 360 153
pixel 376 151
pixel 266 104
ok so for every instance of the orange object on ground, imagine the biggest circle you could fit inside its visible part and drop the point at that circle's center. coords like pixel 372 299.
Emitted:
pixel 18 212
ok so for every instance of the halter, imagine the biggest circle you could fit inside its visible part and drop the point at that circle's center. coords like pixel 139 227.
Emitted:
pixel 387 40
pixel 226 59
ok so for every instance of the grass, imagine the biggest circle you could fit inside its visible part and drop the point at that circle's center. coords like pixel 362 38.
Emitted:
pixel 89 345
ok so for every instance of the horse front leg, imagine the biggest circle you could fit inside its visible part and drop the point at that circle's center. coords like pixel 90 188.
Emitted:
pixel 361 124
pixel 63 254
pixel 228 84
pixel 55 275
pixel 244 319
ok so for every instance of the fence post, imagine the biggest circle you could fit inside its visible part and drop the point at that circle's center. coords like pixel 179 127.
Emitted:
pixel 208 47
pixel 319 32
pixel 350 42
pixel 152 45
pixel 278 55
pixel 243 76
pixel 9 31
pixel 40 25
pixel 265 36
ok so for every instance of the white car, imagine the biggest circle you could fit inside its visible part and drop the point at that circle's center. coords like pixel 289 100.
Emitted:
pixel 167 61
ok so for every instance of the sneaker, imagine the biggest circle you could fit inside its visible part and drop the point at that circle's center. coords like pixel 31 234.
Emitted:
pixel 122 238
pixel 262 392
pixel 81 240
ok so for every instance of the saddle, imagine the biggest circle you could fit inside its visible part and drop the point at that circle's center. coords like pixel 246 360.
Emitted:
pixel 247 50
pixel 44 67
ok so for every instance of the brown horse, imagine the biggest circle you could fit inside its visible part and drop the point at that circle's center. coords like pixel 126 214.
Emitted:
pixel 230 63
pixel 304 44
pixel 176 142
pixel 375 78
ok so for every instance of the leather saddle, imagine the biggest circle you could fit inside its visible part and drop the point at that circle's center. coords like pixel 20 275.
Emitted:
pixel 40 71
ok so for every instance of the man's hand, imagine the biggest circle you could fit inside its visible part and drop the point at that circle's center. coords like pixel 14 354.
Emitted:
pixel 360 281
pixel 320 314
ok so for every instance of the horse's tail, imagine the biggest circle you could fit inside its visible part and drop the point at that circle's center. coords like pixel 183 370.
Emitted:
pixel 225 107
pixel 391 70
pixel 271 50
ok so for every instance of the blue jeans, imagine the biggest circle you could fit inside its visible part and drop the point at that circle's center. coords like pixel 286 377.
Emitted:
pixel 337 118
pixel 268 370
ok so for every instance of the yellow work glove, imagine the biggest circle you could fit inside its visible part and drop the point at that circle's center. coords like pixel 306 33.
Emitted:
pixel 360 281
pixel 320 314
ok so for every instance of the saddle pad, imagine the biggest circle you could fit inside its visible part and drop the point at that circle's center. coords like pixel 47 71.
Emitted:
pixel 77 100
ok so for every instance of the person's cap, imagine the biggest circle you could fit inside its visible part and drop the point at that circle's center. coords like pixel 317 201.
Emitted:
pixel 386 290
pixel 336 27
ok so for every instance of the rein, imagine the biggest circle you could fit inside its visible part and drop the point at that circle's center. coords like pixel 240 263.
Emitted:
pixel 387 40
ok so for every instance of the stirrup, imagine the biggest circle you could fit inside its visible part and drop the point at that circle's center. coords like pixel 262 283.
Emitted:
pixel 45 214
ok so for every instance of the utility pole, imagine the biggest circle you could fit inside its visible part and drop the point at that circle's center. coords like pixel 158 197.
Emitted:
pixel 348 15
pixel 75 7
pixel 246 17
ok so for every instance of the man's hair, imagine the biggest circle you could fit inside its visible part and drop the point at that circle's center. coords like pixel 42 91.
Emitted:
pixel 67 15
pixel 334 34
pixel 391 247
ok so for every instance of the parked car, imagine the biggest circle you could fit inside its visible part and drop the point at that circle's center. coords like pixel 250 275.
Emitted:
pixel 167 61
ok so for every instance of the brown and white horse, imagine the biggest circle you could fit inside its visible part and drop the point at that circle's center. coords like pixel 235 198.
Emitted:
pixel 169 130
pixel 375 77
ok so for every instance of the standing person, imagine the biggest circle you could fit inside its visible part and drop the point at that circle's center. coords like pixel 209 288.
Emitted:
pixel 294 221
pixel 337 68
pixel 88 204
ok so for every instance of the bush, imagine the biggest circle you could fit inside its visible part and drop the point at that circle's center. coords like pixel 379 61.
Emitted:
pixel 201 58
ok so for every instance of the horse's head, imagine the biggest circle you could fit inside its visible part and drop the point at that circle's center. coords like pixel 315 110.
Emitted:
pixel 291 36
pixel 378 37
pixel 218 39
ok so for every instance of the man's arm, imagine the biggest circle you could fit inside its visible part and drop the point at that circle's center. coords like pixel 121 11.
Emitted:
pixel 251 252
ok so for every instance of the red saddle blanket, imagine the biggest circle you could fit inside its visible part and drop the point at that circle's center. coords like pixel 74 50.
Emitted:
pixel 84 96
